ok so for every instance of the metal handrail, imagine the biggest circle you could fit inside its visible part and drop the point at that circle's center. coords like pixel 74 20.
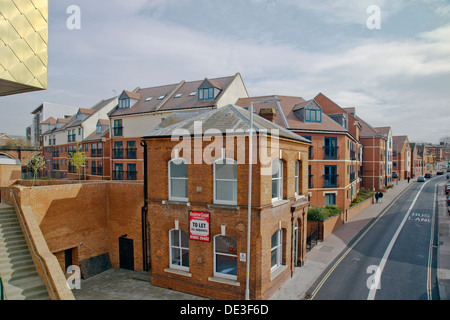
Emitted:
pixel 31 243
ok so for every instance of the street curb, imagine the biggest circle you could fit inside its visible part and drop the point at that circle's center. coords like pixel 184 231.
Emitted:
pixel 442 295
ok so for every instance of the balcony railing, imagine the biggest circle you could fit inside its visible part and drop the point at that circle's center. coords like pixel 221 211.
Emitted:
pixel 131 175
pixel 310 181
pixel 118 153
pixel 330 180
pixel 118 174
pixel 96 152
pixel 330 152
pixel 97 171
pixel 118 131
pixel 131 153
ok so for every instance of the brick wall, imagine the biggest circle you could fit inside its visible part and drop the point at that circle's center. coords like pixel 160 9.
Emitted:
pixel 266 219
pixel 88 217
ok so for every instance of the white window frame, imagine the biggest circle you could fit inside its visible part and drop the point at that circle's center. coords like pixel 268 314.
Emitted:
pixel 170 181
pixel 219 274
pixel 280 180
pixel 226 161
pixel 297 177
pixel 180 248
pixel 279 250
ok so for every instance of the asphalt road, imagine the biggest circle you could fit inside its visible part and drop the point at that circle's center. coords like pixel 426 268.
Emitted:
pixel 393 257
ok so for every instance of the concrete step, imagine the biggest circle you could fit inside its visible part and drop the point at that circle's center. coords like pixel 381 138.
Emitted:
pixel 21 271
pixel 11 231
pixel 13 264
pixel 12 237
pixel 8 217
pixel 14 246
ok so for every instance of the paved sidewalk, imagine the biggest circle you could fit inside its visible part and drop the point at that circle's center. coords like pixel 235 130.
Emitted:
pixel 443 272
pixel 318 259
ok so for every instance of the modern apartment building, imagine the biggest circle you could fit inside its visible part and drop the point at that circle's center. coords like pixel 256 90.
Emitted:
pixel 141 110
pixel 386 132
pixel 198 207
pixel 44 119
pixel 374 157
pixel 417 163
pixel 61 141
pixel 401 157
pixel 334 154
pixel 23 49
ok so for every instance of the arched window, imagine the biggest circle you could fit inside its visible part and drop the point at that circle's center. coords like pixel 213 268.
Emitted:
pixel 225 181
pixel 277 180
pixel 178 180
pixel 179 249
pixel 225 257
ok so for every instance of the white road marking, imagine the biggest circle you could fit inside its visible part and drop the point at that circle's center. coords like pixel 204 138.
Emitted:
pixel 385 257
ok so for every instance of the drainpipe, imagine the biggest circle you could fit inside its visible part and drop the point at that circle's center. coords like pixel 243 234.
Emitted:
pixel 144 214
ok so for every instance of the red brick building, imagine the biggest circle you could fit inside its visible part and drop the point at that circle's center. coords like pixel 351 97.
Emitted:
pixel 197 207
pixel 334 154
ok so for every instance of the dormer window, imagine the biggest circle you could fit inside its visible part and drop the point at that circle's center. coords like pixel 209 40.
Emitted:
pixel 206 94
pixel 313 115
pixel 124 103
pixel 99 128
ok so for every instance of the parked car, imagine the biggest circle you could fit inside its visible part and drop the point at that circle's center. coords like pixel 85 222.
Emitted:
pixel 427 175
pixel 448 175
pixel 448 201
pixel 440 173
pixel 394 175
pixel 447 189
pixel 421 179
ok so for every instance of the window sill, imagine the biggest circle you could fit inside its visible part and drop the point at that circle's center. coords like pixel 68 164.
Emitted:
pixel 275 273
pixel 224 281
pixel 276 203
pixel 224 206
pixel 178 202
pixel 178 272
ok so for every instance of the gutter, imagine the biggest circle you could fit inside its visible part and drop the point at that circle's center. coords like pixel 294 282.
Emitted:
pixel 144 215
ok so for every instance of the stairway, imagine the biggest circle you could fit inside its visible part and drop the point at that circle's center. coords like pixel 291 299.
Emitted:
pixel 20 278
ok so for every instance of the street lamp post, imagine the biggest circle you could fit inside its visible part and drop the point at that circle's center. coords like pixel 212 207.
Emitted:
pixel 249 205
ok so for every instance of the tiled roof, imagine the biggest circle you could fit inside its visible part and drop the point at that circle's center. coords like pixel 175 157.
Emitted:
pixel 176 96
pixel 50 120
pixel 229 117
pixel 288 105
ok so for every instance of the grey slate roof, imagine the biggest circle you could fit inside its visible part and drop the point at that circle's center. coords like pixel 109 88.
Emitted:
pixel 229 117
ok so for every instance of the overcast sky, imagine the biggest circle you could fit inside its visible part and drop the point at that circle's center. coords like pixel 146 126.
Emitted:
pixel 398 75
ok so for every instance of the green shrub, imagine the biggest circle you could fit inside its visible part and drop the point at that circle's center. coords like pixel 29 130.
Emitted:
pixel 333 210
pixel 363 194
pixel 316 213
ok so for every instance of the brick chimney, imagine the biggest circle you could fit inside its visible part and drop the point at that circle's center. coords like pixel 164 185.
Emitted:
pixel 268 114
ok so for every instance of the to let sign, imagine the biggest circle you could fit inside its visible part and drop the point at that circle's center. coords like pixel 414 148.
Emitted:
pixel 199 226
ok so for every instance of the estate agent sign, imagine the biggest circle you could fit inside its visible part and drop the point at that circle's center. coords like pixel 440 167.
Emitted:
pixel 199 226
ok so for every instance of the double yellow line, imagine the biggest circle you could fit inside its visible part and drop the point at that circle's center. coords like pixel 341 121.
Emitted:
pixel 319 286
